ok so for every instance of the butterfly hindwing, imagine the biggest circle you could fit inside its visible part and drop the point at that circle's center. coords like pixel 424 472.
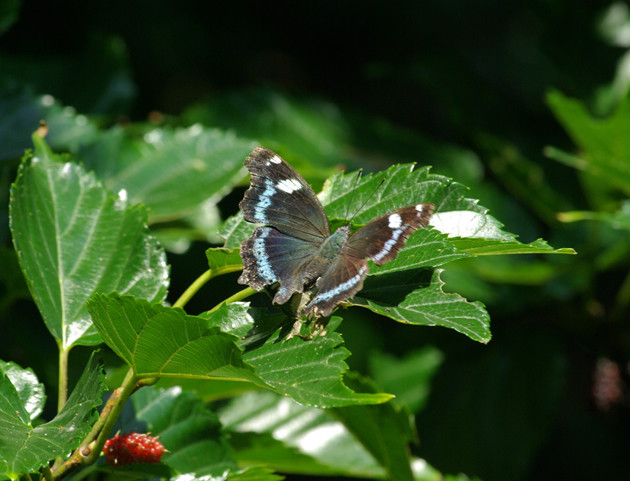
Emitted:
pixel 270 256
pixel 382 238
pixel 280 197
pixel 342 280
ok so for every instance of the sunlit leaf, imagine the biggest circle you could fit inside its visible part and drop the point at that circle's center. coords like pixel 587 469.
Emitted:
pixel 399 297
pixel 74 238
pixel 280 433
pixel 163 341
pixel 30 391
pixel 309 371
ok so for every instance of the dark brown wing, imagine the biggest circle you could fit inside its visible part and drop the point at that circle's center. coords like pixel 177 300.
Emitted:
pixel 280 197
pixel 342 280
pixel 381 239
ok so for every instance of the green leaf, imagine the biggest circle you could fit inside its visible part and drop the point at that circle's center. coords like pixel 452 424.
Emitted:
pixel 188 430
pixel 408 378
pixel 481 234
pixel 605 143
pixel 400 185
pixel 30 391
pixel 619 219
pixel 73 239
pixel 268 429
pixel 224 260
pixel 428 305
pixel 235 230
pixel 384 430
pixel 273 431
pixel 308 371
pixel 162 341
pixel 26 449
pixel 171 171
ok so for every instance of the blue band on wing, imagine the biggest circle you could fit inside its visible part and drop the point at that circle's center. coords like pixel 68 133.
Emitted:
pixel 262 259
pixel 264 201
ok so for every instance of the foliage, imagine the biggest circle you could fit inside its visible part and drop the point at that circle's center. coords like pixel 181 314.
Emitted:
pixel 111 213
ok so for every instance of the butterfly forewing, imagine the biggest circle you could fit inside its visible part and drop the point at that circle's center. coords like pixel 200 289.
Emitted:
pixel 281 198
pixel 382 238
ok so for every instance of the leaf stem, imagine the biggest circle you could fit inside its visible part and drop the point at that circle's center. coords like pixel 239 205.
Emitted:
pixel 248 291
pixel 201 280
pixel 90 448
pixel 63 376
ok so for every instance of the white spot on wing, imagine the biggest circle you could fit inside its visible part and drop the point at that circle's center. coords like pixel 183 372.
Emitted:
pixel 395 221
pixel 289 185
pixel 387 247
pixel 275 159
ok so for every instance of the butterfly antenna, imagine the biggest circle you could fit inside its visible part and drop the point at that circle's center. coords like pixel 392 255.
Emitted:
pixel 367 199
pixel 354 187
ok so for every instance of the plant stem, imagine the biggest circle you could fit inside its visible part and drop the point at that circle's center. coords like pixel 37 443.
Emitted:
pixel 127 388
pixel 91 447
pixel 201 280
pixel 47 473
pixel 248 291
pixel 63 376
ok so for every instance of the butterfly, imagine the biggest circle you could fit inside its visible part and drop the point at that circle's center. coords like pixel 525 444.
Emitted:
pixel 296 249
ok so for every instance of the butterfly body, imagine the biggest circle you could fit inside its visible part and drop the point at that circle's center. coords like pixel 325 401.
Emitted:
pixel 296 248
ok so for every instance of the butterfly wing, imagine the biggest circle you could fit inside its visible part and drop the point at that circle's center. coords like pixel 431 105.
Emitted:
pixel 382 238
pixel 342 280
pixel 280 197
pixel 270 256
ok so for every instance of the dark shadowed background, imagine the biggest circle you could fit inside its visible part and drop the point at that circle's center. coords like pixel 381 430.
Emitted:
pixel 460 85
